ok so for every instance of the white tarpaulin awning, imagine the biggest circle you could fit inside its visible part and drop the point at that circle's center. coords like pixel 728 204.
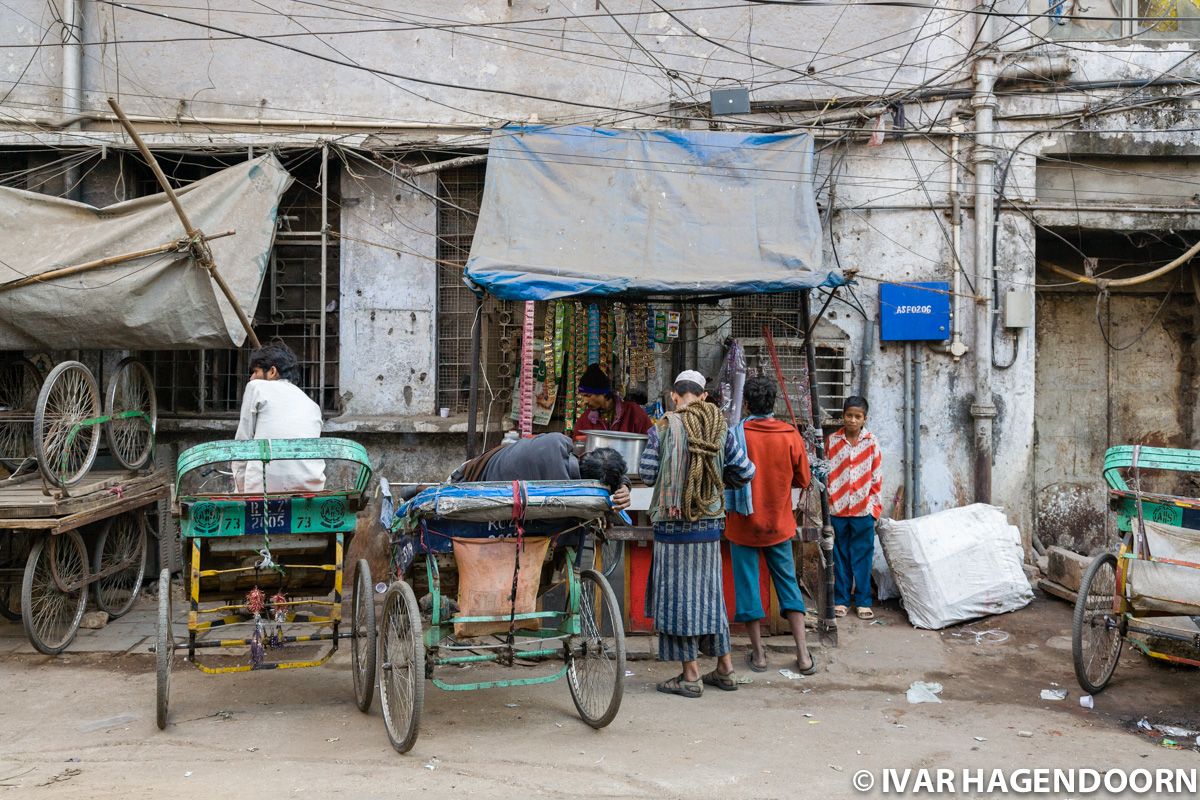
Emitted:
pixel 163 301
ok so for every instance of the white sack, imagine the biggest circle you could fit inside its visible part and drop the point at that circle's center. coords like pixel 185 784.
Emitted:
pixel 956 565
pixel 881 573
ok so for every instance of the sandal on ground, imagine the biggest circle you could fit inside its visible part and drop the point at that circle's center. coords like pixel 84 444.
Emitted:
pixel 866 613
pixel 840 611
pixel 726 683
pixel 681 687
pixel 812 665
pixel 756 667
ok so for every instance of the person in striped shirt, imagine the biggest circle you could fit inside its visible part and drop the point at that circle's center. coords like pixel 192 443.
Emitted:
pixel 855 485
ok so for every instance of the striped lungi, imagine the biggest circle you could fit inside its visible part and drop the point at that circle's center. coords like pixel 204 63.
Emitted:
pixel 685 599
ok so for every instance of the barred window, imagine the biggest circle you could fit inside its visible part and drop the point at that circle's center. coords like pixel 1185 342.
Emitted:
pixel 1118 19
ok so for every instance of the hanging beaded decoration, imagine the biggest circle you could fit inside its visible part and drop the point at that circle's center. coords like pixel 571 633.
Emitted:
pixel 527 377
pixel 256 603
pixel 606 339
pixel 568 336
pixel 279 609
pixel 581 355
pixel 620 347
pixel 593 329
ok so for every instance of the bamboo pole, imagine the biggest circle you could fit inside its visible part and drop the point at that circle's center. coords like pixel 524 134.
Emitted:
pixel 199 243
pixel 179 245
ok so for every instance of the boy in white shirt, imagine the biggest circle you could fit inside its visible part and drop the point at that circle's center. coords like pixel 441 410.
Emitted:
pixel 274 407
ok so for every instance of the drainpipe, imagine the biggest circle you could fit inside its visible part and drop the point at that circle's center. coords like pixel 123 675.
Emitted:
pixel 906 420
pixel 957 349
pixel 72 82
pixel 918 357
pixel 983 157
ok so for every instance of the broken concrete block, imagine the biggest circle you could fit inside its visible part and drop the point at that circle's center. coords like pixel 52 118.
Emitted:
pixel 94 620
pixel 1066 568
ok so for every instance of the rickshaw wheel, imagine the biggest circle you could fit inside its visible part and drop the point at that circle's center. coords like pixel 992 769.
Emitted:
pixel 68 396
pixel 123 537
pixel 402 666
pixel 52 616
pixel 164 649
pixel 131 388
pixel 1098 632
pixel 20 383
pixel 596 668
pixel 364 638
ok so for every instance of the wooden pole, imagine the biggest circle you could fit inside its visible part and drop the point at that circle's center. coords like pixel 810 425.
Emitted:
pixel 827 624
pixel 199 242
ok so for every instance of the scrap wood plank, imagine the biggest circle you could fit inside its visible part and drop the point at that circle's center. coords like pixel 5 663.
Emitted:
pixel 28 502
pixel 117 504
pixel 1058 590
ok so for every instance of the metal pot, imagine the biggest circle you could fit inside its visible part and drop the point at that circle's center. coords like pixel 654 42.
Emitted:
pixel 629 445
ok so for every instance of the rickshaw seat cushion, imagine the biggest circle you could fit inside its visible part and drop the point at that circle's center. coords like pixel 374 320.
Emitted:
pixel 1161 587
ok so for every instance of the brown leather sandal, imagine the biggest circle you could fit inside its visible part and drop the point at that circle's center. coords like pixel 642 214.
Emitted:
pixel 681 687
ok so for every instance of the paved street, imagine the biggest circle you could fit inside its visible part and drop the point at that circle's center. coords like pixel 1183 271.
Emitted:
pixel 82 725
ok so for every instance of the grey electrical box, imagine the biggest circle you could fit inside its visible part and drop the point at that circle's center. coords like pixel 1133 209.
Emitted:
pixel 730 100
pixel 1018 308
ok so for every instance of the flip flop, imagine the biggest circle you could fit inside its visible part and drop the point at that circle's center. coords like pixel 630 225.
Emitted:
pixel 726 683
pixel 812 665
pixel 755 667
pixel 866 613
pixel 681 687
pixel 840 611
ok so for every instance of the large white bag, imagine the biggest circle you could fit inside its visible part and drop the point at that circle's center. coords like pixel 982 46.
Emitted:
pixel 956 565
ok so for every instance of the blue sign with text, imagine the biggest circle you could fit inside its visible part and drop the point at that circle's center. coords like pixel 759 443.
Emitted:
pixel 914 312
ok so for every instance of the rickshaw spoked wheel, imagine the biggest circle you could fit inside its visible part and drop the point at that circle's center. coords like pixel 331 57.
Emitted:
pixel 363 637
pixel 131 389
pixel 596 657
pixel 122 539
pixel 401 666
pixel 20 383
pixel 1098 630
pixel 68 397
pixel 164 649
pixel 52 616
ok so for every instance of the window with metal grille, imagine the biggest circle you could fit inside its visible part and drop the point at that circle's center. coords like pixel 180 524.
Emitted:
pixel 781 314
pixel 210 382
pixel 460 192
pixel 1118 19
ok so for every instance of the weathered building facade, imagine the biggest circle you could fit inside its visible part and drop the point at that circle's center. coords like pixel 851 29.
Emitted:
pixel 985 145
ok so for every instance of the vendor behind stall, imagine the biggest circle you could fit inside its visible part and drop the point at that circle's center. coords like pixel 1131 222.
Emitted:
pixel 606 410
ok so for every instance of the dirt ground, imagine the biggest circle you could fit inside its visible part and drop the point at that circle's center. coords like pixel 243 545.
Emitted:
pixel 82 725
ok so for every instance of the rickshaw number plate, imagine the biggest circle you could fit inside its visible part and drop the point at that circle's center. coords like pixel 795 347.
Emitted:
pixel 273 517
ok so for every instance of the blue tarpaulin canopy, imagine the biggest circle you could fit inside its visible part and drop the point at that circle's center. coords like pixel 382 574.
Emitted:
pixel 572 211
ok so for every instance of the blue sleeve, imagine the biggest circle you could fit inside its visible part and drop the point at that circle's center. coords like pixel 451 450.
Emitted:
pixel 649 464
pixel 739 470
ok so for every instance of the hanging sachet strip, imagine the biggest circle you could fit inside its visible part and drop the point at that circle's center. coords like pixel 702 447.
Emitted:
pixel 593 329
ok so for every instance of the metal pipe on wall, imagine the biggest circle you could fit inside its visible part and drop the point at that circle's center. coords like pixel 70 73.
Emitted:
pixel 867 362
pixel 983 157
pixel 917 496
pixel 324 268
pixel 72 82
pixel 906 424
pixel 957 348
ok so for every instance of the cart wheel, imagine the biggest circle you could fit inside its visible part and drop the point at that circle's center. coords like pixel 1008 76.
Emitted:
pixel 362 628
pixel 52 616
pixel 69 396
pixel 164 650
pixel 402 666
pixel 131 389
pixel 596 666
pixel 610 552
pixel 1098 631
pixel 20 383
pixel 122 539
pixel 13 552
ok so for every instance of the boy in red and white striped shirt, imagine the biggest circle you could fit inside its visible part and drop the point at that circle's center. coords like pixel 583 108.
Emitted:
pixel 855 485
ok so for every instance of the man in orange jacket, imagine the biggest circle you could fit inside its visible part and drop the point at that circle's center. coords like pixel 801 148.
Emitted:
pixel 760 520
